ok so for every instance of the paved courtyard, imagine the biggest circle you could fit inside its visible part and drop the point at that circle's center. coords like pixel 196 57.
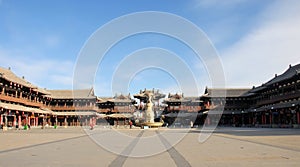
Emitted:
pixel 226 147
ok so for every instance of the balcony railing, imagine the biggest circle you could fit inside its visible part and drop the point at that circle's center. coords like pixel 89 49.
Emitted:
pixel 274 99
pixel 186 108
pixel 24 101
pixel 73 108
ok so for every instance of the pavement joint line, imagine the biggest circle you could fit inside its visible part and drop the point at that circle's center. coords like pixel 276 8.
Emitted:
pixel 41 144
pixel 179 160
pixel 260 143
pixel 120 159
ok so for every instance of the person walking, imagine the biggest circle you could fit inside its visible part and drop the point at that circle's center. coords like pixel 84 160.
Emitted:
pixel 130 124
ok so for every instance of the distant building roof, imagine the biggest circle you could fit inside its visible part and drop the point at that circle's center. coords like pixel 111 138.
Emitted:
pixel 176 98
pixel 143 94
pixel 72 94
pixel 116 99
pixel 229 92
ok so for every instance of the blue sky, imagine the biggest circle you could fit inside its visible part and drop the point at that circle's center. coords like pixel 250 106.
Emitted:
pixel 255 39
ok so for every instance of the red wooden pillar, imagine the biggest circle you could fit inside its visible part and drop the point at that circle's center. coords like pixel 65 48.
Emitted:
pixel 264 118
pixel 36 121
pixel 270 118
pixel 19 121
pixel 1 119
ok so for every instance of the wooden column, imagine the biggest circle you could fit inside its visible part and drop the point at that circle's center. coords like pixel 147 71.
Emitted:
pixel 36 121
pixel 19 121
pixel 1 119
pixel 298 117
pixel 66 123
pixel 263 119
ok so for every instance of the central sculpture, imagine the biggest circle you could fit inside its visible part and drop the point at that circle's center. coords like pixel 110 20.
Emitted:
pixel 148 97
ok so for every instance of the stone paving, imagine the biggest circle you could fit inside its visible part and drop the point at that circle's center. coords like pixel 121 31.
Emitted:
pixel 226 147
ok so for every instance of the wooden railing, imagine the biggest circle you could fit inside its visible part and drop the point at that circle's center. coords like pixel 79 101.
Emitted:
pixel 278 98
pixel 185 108
pixel 20 100
pixel 73 108
pixel 123 110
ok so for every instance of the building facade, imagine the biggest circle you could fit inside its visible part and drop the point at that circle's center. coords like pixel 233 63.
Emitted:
pixel 275 103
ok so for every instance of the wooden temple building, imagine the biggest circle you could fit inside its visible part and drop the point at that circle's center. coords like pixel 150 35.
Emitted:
pixel 72 107
pixel 275 103
pixel 117 110
pixel 180 110
pixel 21 102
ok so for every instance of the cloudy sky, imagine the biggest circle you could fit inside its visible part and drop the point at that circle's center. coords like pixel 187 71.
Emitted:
pixel 255 39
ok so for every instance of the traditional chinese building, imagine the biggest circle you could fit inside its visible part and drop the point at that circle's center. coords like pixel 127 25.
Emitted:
pixel 72 107
pixel 273 104
pixel 181 111
pixel 276 102
pixel 118 109
pixel 20 101
pixel 232 101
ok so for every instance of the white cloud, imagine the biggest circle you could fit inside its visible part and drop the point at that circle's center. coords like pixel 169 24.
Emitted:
pixel 41 72
pixel 268 49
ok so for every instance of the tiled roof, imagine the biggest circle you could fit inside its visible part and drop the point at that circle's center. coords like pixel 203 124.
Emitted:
pixel 289 73
pixel 10 76
pixel 23 108
pixel 72 94
pixel 229 92
pixel 117 99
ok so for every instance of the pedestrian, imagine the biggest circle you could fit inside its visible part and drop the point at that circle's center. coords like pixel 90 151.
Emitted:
pixel 130 124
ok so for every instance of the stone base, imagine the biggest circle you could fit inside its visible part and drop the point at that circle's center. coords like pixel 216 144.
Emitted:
pixel 152 124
